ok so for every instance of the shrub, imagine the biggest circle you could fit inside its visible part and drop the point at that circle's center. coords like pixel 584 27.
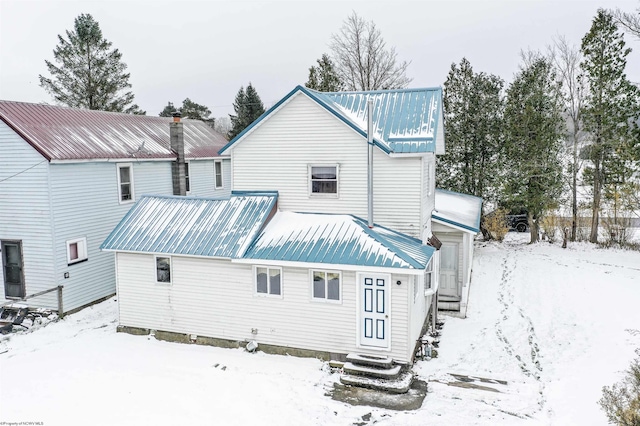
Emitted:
pixel 621 402
pixel 496 224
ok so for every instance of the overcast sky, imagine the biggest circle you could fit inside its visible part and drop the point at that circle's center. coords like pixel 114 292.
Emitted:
pixel 206 50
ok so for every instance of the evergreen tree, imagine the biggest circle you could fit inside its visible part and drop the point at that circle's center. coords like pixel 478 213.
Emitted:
pixel 473 108
pixel 195 111
pixel 91 74
pixel 247 107
pixel 168 110
pixel 324 77
pixel 611 110
pixel 533 135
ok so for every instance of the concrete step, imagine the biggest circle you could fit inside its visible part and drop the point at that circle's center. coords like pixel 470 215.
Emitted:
pixel 371 360
pixel 399 384
pixel 361 370
pixel 448 306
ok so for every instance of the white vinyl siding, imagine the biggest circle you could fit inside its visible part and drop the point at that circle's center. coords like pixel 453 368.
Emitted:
pixel 92 211
pixel 302 133
pixel 216 298
pixel 428 190
pixel 25 213
pixel 203 180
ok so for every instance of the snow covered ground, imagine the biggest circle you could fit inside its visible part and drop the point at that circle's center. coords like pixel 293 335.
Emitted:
pixel 555 324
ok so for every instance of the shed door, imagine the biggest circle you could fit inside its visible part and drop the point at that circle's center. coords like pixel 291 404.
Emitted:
pixel 449 271
pixel 12 269
pixel 374 313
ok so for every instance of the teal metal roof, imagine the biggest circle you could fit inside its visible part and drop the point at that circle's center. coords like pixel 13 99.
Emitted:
pixel 458 209
pixel 405 121
pixel 337 240
pixel 193 226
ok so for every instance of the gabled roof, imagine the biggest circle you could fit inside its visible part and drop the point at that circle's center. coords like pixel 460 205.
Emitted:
pixel 192 225
pixel 337 240
pixel 405 121
pixel 460 210
pixel 60 133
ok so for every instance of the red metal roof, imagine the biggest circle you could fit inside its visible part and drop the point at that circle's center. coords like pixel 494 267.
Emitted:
pixel 60 133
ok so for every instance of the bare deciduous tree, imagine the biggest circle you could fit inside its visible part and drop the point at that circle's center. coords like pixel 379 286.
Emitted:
pixel 363 60
pixel 630 21
pixel 566 59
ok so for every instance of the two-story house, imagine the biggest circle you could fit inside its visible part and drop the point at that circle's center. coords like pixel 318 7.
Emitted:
pixel 289 260
pixel 68 176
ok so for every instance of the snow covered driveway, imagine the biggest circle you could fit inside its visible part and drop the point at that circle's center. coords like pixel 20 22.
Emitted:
pixel 555 324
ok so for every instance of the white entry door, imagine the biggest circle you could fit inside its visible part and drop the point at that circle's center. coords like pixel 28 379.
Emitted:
pixel 374 311
pixel 449 270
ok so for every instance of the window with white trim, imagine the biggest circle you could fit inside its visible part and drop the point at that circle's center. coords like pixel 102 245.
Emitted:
pixel 325 285
pixel 217 167
pixel 187 181
pixel 76 250
pixel 428 275
pixel 163 269
pixel 125 183
pixel 323 179
pixel 268 281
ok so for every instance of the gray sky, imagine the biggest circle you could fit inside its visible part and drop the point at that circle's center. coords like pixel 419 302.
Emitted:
pixel 206 50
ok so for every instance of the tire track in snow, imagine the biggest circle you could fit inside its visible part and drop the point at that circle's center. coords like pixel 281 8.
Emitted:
pixel 529 363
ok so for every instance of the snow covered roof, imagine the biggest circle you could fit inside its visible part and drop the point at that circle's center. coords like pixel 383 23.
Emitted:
pixel 458 209
pixel 193 226
pixel 60 133
pixel 405 121
pixel 337 240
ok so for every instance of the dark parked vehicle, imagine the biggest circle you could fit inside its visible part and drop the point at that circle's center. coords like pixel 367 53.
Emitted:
pixel 519 222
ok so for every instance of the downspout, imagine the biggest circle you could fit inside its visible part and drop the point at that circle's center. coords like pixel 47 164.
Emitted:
pixel 370 162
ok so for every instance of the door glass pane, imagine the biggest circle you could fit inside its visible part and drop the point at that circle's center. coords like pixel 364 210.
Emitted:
pixel 274 275
pixel 261 279
pixel 13 274
pixel 318 285
pixel 12 254
pixel 333 286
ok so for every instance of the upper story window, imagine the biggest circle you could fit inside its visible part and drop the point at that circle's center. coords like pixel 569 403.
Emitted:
pixel 323 179
pixel 186 177
pixel 125 183
pixel 217 165
pixel 76 250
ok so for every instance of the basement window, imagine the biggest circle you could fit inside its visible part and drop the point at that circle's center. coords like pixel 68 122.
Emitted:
pixel 76 250
pixel 125 183
pixel 268 281
pixel 325 286
pixel 323 180
pixel 163 269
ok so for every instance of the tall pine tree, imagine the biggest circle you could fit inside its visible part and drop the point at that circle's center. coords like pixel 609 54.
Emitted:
pixel 473 107
pixel 91 74
pixel 610 112
pixel 247 107
pixel 533 135
pixel 324 77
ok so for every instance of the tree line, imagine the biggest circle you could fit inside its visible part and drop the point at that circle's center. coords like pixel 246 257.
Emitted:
pixel 569 119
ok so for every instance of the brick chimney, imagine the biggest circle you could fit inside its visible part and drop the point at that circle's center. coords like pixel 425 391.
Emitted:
pixel 176 133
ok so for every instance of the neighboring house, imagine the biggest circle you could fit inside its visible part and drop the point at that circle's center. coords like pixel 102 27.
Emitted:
pixel 456 221
pixel 234 270
pixel 68 176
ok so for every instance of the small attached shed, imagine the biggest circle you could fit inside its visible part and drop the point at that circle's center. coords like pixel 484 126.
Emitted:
pixel 230 271
pixel 456 221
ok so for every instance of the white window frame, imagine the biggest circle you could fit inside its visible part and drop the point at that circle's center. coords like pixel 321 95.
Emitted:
pixel 155 268
pixel 255 281
pixel 322 194
pixel 215 174
pixel 187 177
pixel 133 196
pixel 326 299
pixel 83 253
